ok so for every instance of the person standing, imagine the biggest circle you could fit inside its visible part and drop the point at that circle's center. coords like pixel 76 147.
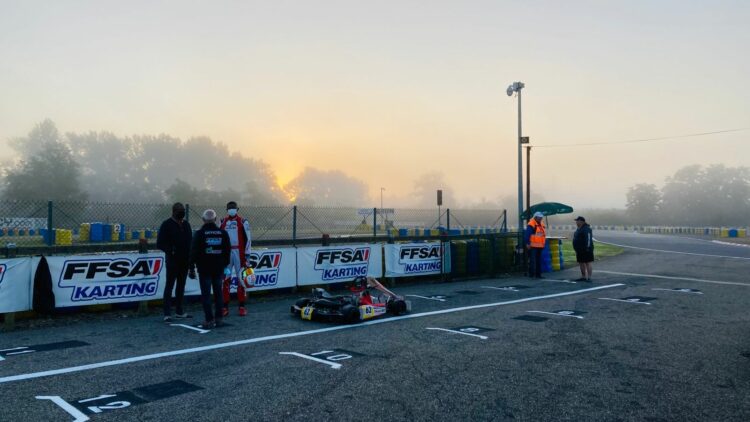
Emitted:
pixel 174 239
pixel 583 244
pixel 238 230
pixel 210 254
pixel 535 237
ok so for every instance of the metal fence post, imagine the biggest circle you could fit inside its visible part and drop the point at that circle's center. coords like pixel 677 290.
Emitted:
pixel 294 225
pixel 49 223
pixel 143 304
pixel 374 222
pixel 448 220
pixel 187 213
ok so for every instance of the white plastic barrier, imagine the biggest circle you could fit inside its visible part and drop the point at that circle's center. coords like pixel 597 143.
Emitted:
pixel 274 269
pixel 15 284
pixel 333 264
pixel 413 259
pixel 97 279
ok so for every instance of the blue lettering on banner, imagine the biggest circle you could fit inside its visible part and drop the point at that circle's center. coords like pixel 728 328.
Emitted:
pixel 423 267
pixel 107 279
pixel 266 266
pixel 342 263
pixel 420 259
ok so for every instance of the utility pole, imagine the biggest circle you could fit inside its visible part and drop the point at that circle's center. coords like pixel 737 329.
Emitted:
pixel 516 87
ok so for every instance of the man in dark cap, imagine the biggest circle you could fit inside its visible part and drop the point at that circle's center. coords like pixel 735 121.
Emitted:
pixel 175 236
pixel 583 244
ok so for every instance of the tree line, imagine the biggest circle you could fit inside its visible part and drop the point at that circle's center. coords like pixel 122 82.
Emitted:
pixel 695 195
pixel 103 167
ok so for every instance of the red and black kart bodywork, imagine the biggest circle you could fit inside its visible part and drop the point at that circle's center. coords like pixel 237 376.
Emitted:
pixel 351 308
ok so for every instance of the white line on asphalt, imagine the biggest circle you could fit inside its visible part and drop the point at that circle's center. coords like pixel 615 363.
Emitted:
pixel 179 352
pixel 15 348
pixel 20 353
pixel 674 252
pixel 505 289
pixel 72 411
pixel 190 327
pixel 678 291
pixel 730 243
pixel 428 298
pixel 457 332
pixel 626 301
pixel 554 313
pixel 554 280
pixel 700 280
pixel 333 365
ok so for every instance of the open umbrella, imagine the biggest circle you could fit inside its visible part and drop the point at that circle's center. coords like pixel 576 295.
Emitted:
pixel 547 208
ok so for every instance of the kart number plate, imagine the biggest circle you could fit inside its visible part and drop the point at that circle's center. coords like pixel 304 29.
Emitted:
pixel 307 312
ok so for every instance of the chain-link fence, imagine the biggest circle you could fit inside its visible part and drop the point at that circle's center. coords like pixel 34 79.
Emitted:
pixel 45 223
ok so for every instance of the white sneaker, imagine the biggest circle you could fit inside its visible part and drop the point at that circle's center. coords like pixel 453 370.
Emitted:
pixel 182 316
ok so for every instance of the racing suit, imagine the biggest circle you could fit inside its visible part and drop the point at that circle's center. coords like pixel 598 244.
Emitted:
pixel 238 230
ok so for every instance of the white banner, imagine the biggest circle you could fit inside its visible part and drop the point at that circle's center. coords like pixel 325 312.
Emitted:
pixel 412 259
pixel 15 285
pixel 334 264
pixel 274 269
pixel 94 279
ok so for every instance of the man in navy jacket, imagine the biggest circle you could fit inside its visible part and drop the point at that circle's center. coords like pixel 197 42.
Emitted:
pixel 583 244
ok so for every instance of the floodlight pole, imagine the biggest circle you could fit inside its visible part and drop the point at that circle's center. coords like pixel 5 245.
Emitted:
pixel 517 88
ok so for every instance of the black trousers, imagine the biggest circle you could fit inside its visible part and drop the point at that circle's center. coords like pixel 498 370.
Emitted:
pixel 212 282
pixel 535 262
pixel 177 270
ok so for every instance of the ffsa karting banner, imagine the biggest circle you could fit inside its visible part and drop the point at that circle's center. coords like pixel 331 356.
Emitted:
pixel 15 285
pixel 95 279
pixel 274 269
pixel 334 264
pixel 412 259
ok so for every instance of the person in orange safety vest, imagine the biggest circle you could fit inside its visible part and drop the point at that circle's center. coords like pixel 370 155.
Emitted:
pixel 535 237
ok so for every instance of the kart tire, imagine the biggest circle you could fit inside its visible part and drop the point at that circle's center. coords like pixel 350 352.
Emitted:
pixel 299 305
pixel 351 314
pixel 397 307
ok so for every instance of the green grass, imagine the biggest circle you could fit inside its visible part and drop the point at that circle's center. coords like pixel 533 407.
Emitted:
pixel 600 251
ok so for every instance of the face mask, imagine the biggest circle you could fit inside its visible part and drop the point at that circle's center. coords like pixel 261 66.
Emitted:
pixel 232 212
pixel 179 215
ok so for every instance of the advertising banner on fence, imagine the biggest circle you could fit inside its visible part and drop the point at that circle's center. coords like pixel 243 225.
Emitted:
pixel 274 269
pixel 95 279
pixel 15 285
pixel 334 264
pixel 412 259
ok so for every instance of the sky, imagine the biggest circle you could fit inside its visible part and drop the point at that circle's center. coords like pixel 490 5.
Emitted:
pixel 389 90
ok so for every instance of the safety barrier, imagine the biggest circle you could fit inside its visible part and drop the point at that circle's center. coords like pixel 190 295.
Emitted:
pixel 129 277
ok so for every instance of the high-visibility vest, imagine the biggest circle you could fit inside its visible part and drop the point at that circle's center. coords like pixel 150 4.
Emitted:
pixel 539 236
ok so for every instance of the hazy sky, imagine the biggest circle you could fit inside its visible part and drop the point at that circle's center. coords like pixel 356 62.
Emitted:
pixel 389 90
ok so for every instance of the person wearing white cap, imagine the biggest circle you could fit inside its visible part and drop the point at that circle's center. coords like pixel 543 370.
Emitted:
pixel 210 253
pixel 535 237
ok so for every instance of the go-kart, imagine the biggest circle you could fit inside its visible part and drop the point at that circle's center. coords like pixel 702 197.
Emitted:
pixel 358 306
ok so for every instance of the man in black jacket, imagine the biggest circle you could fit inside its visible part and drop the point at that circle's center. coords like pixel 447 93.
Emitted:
pixel 175 236
pixel 210 254
pixel 583 244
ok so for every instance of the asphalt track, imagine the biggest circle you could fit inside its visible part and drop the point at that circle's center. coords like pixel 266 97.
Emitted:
pixel 632 349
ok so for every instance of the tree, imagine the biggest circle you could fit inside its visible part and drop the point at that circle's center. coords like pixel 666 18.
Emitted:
pixel 330 188
pixel 47 169
pixel 643 203
pixel 425 188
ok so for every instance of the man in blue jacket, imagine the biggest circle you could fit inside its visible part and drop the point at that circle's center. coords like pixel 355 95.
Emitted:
pixel 583 244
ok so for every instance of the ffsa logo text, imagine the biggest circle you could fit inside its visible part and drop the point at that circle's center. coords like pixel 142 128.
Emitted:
pixel 100 279
pixel 342 263
pixel 266 267
pixel 420 259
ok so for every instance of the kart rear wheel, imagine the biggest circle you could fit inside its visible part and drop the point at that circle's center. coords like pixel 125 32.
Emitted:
pixel 351 314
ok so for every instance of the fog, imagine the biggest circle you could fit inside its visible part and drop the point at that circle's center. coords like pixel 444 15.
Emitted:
pixel 335 103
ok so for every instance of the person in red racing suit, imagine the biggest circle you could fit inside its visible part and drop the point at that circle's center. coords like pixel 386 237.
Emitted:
pixel 361 285
pixel 239 235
